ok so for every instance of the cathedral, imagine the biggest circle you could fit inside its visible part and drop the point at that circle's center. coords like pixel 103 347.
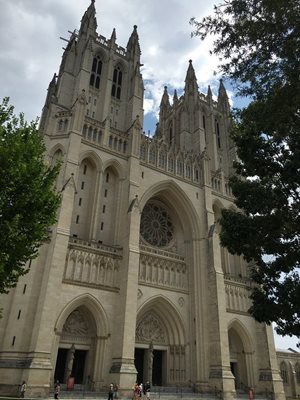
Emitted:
pixel 133 285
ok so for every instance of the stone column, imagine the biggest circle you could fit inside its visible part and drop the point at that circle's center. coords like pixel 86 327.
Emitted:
pixel 123 370
pixel 220 373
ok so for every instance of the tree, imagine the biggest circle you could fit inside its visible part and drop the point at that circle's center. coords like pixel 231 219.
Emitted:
pixel 28 201
pixel 258 42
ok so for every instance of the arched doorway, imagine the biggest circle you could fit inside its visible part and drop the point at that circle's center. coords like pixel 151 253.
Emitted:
pixel 240 357
pixel 77 345
pixel 160 353
pixel 81 337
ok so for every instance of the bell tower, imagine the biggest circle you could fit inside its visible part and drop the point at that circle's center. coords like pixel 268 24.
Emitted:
pixel 108 73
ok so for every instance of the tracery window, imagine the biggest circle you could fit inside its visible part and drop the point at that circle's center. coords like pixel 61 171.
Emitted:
pixel 152 156
pixel 171 164
pixel 188 171
pixel 162 159
pixel 179 167
pixel 117 83
pixel 96 72
pixel 171 134
pixel 143 152
pixel 156 224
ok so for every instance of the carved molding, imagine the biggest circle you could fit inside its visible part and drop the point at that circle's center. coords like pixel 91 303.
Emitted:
pixel 150 329
pixel 76 324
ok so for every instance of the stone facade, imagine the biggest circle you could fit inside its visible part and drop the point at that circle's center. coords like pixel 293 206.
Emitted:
pixel 134 284
pixel 289 367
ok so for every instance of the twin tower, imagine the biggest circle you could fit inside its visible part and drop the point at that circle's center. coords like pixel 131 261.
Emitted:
pixel 110 78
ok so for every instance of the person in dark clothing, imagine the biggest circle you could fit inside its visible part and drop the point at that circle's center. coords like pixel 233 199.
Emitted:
pixel 56 389
pixel 147 388
pixel 111 392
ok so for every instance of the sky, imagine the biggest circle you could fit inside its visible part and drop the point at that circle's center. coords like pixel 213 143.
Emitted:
pixel 31 50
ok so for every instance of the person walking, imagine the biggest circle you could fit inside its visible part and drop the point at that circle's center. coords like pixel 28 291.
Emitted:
pixel 116 388
pixel 111 392
pixel 136 392
pixel 147 388
pixel 56 389
pixel 23 390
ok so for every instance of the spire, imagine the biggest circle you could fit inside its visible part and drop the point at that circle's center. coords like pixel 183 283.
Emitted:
pixel 51 90
pixel 133 45
pixel 223 101
pixel 88 22
pixel 209 95
pixel 113 38
pixel 165 99
pixel 222 90
pixel 175 97
pixel 191 86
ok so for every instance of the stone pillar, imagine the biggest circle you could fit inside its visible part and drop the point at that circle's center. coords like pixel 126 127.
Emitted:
pixel 123 370
pixel 270 374
pixel 220 375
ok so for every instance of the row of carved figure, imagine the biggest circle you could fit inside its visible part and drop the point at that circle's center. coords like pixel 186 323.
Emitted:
pixel 162 272
pixel 92 268
pixel 237 298
pixel 181 163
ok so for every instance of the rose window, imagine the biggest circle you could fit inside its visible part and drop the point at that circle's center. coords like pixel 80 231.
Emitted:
pixel 156 225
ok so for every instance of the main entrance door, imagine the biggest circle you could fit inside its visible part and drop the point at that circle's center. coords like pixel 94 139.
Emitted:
pixel 139 357
pixel 61 365
pixel 157 371
pixel 78 366
pixel 142 365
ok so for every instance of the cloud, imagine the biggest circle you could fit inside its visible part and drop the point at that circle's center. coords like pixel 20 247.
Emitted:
pixel 31 49
pixel 33 53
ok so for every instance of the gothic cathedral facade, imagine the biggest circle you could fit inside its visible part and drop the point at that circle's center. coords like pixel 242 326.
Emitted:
pixel 133 284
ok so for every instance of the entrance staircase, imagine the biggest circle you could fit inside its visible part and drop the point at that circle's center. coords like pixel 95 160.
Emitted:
pixel 157 393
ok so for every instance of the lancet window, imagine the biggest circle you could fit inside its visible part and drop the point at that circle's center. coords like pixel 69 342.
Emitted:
pixel 218 135
pixel 117 83
pixel 96 72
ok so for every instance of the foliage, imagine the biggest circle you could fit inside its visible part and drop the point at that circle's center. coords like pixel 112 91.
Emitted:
pixel 258 42
pixel 28 202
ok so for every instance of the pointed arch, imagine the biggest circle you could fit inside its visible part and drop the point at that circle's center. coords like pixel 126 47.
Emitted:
pixel 56 148
pixel 92 157
pixel 242 332
pixel 181 204
pixel 116 166
pixel 167 314
pixel 95 308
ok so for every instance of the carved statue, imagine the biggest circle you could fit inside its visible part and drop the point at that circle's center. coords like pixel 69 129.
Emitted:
pixel 71 356
pixel 150 362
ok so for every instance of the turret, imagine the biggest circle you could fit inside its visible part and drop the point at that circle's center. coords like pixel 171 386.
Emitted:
pixel 175 97
pixel 209 96
pixel 50 99
pixel 191 87
pixel 113 38
pixel 133 46
pixel 165 103
pixel 88 25
pixel 223 102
